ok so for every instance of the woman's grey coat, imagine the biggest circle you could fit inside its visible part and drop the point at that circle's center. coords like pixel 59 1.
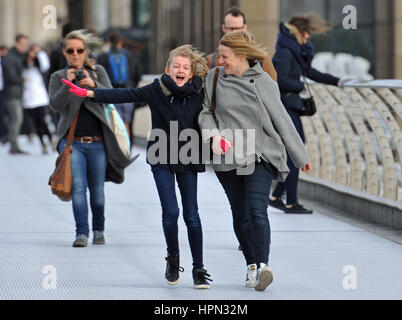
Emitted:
pixel 67 104
pixel 251 102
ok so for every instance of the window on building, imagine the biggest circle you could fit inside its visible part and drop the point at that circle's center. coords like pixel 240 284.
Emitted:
pixel 141 13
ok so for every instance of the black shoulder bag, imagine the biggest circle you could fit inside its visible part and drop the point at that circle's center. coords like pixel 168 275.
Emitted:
pixel 309 104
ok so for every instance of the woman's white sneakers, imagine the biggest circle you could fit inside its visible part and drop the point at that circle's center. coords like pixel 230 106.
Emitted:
pixel 264 277
pixel 259 279
pixel 251 277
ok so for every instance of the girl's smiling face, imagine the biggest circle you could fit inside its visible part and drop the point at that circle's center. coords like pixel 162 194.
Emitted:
pixel 180 70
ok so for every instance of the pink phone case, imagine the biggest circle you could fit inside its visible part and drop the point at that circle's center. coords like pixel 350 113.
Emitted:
pixel 224 145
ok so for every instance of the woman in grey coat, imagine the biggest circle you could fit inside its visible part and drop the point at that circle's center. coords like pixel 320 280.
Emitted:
pixel 96 156
pixel 251 121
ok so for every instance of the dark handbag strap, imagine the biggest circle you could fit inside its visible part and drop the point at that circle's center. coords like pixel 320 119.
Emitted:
pixel 71 132
pixel 214 91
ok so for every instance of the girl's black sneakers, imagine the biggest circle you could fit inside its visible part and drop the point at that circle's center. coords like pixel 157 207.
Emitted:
pixel 172 269
pixel 200 277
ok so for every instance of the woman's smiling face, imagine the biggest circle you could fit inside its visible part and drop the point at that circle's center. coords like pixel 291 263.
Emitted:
pixel 229 60
pixel 180 70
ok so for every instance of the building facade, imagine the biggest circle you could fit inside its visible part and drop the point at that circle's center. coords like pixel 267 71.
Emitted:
pixel 170 23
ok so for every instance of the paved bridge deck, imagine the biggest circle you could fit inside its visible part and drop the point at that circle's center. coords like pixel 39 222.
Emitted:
pixel 312 256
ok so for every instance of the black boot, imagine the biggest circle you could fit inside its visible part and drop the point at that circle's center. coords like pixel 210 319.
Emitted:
pixel 200 277
pixel 172 269
pixel 277 203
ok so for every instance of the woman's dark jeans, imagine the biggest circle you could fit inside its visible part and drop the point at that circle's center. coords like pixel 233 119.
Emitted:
pixel 248 198
pixel 290 184
pixel 88 167
pixel 187 182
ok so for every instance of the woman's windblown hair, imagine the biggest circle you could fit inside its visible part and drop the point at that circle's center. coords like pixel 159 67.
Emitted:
pixel 310 22
pixel 243 43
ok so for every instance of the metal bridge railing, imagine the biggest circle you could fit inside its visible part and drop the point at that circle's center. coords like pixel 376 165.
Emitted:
pixel 355 138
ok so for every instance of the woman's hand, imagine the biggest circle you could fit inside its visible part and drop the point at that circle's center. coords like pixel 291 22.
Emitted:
pixel 220 145
pixel 87 81
pixel 80 92
pixel 71 74
pixel 306 168
pixel 216 145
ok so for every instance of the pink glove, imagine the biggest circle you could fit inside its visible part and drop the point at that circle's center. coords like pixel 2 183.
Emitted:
pixel 225 145
pixel 80 92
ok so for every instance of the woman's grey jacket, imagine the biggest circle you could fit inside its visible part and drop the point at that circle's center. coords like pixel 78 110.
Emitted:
pixel 250 113
pixel 67 104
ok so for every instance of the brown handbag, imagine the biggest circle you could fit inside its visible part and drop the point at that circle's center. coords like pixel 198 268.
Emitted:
pixel 61 181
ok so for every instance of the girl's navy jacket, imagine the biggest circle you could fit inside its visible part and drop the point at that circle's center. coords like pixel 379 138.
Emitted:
pixel 171 106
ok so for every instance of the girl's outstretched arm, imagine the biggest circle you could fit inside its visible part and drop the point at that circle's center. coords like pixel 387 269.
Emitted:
pixel 112 95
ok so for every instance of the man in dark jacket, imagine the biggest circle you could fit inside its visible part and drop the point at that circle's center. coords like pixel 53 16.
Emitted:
pixel 3 127
pixel 14 82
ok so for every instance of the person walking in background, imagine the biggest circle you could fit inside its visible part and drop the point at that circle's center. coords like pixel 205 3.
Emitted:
pixel 175 97
pixel 14 83
pixel 292 59
pixel 96 157
pixel 124 72
pixel 35 95
pixel 246 98
pixel 235 19
pixel 3 111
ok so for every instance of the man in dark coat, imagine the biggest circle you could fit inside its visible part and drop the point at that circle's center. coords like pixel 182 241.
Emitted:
pixel 3 126
pixel 14 83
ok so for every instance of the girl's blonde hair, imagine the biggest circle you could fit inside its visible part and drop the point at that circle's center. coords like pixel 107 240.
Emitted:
pixel 198 62
pixel 84 37
pixel 243 43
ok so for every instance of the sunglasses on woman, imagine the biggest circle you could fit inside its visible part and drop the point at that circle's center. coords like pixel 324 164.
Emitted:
pixel 72 51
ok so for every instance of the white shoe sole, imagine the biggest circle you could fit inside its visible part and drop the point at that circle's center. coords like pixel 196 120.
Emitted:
pixel 172 283
pixel 202 286
pixel 250 284
pixel 265 278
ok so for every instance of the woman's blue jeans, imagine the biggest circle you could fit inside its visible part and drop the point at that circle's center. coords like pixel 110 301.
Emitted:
pixel 289 186
pixel 187 183
pixel 88 167
pixel 248 198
